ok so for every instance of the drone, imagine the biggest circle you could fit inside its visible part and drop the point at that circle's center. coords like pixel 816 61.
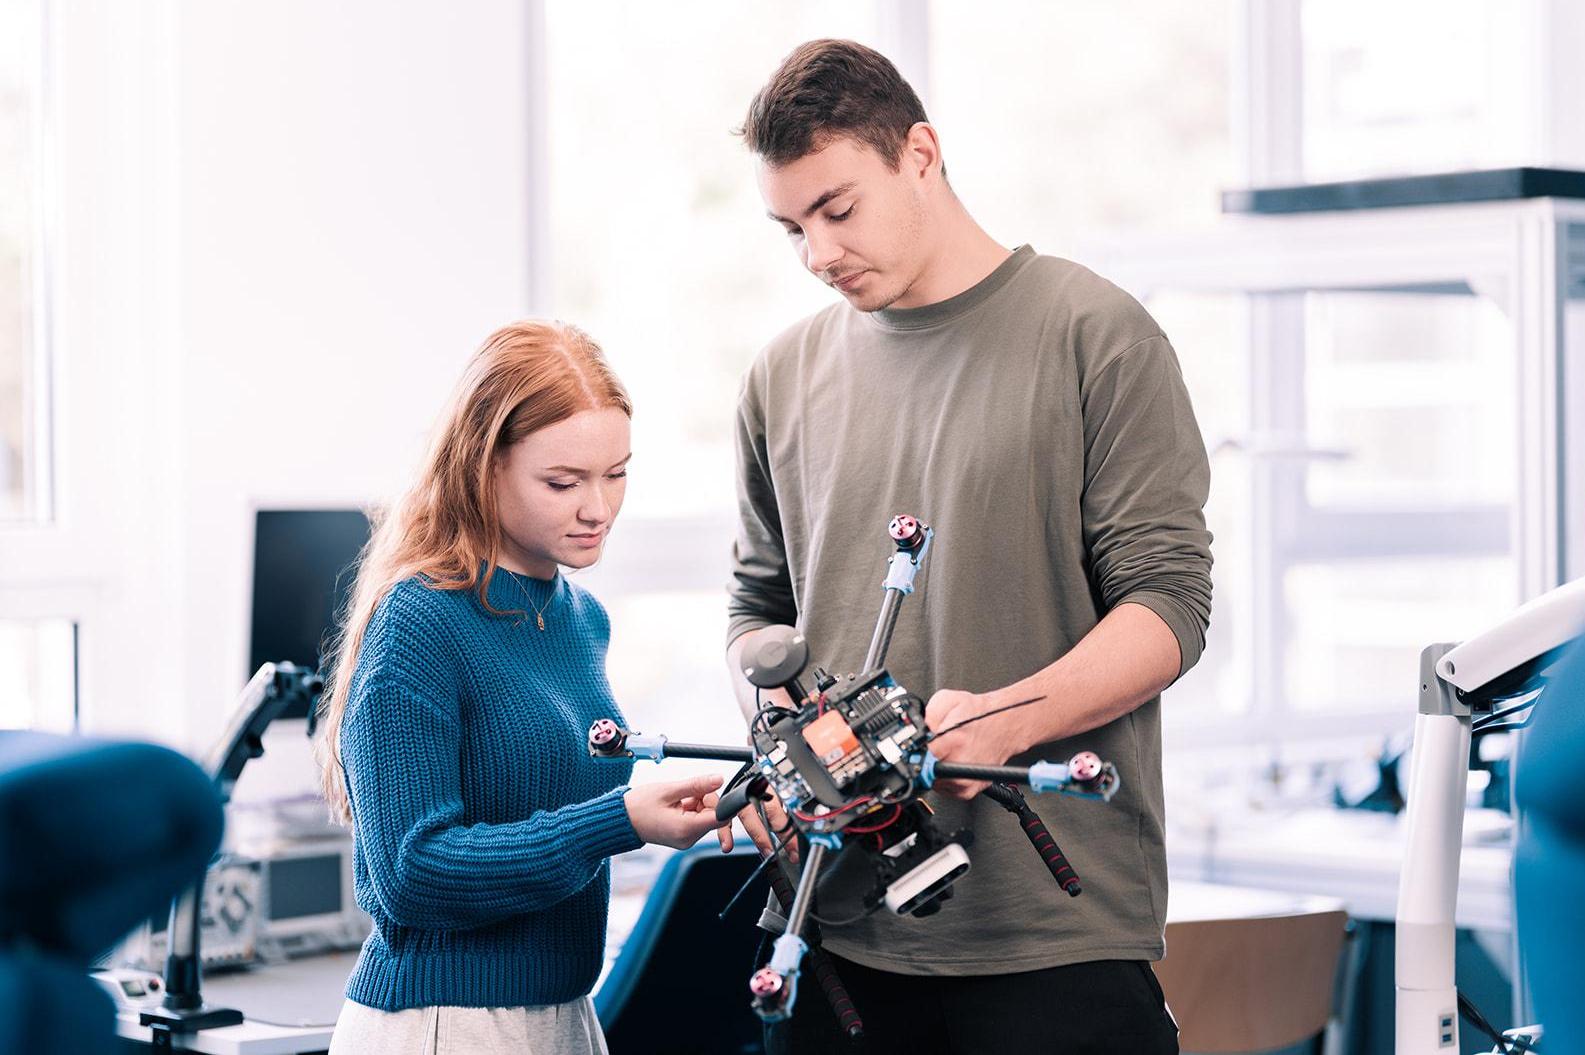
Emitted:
pixel 850 762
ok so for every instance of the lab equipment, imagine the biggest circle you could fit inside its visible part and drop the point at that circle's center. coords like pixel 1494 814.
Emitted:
pixel 275 688
pixel 1488 682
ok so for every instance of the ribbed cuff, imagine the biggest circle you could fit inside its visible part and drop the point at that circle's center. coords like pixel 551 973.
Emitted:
pixel 603 826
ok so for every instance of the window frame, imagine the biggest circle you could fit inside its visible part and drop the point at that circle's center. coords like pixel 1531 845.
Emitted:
pixel 106 560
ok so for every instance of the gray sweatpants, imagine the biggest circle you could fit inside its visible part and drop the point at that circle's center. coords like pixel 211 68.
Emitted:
pixel 555 1029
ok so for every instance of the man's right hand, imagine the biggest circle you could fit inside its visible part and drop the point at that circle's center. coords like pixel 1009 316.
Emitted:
pixel 749 818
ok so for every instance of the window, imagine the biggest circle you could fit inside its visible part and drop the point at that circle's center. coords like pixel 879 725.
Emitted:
pixel 1397 533
pixel 1434 85
pixel 1207 331
pixel 38 639
pixel 1365 447
pixel 38 674
pixel 24 436
pixel 1057 118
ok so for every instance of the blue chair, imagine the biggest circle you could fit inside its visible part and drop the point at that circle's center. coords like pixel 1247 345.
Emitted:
pixel 94 836
pixel 680 983
pixel 1549 860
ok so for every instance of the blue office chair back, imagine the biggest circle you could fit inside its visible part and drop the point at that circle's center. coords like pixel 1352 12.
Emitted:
pixel 680 983
pixel 94 837
pixel 1549 859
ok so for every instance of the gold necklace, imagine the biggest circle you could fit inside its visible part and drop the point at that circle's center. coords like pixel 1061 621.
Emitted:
pixel 539 610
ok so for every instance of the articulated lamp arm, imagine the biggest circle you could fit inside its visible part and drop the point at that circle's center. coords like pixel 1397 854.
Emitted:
pixel 1461 686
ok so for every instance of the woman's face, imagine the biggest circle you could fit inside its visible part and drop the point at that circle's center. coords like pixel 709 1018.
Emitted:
pixel 558 491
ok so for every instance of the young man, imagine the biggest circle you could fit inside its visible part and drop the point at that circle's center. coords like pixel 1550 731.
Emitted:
pixel 1035 416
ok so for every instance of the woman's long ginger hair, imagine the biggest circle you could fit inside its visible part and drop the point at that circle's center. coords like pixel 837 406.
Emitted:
pixel 446 527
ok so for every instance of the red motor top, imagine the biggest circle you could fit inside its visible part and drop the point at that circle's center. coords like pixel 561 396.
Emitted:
pixel 905 531
pixel 1084 766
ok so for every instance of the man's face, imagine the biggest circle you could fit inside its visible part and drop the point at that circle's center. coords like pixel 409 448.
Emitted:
pixel 855 223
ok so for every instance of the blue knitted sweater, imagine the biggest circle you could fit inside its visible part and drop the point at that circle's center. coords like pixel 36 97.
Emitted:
pixel 481 825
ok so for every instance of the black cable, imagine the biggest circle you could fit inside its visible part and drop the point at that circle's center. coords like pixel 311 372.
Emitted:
pixel 754 722
pixel 1505 727
pixel 1493 716
pixel 759 870
pixel 745 770
pixel 764 818
pixel 1487 719
pixel 761 709
pixel 967 721
pixel 1468 1009
pixel 779 848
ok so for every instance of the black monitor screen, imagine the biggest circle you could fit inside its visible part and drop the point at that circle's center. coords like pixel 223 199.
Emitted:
pixel 301 575
pixel 305 886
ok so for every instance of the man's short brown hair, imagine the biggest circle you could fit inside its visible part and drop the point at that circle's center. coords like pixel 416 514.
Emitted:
pixel 829 88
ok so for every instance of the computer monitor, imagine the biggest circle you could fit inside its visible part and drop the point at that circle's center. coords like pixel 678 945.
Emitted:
pixel 302 572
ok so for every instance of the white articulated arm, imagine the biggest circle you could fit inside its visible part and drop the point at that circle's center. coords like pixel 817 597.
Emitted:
pixel 1458 684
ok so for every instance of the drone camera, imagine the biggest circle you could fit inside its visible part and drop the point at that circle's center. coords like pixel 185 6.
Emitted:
pixel 917 888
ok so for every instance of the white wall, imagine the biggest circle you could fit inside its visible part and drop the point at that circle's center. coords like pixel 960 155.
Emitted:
pixel 329 210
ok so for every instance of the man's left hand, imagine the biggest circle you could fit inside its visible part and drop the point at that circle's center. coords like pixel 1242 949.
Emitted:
pixel 987 742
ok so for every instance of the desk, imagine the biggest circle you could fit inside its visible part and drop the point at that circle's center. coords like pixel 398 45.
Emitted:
pixel 1354 855
pixel 1191 902
pixel 291 1008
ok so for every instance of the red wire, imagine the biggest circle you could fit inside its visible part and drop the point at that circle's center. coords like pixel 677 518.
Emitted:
pixel 832 813
pixel 897 811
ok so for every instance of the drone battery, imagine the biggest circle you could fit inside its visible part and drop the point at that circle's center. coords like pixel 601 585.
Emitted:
pixel 836 746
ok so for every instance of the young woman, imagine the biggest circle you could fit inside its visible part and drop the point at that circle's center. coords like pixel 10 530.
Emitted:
pixel 465 680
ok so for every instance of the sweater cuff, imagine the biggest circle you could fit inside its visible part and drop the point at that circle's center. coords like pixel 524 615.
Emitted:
pixel 604 827
pixel 1184 625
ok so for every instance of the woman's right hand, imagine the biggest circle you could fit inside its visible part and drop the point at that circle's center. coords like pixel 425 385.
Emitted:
pixel 676 813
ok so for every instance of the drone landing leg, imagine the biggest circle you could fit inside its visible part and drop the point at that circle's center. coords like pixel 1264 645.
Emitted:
pixel 775 986
pixel 847 1016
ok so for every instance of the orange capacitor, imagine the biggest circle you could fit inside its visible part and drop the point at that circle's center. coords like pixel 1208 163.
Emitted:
pixel 830 738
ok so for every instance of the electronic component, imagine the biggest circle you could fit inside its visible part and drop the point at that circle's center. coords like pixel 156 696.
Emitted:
pixel 831 739
pixel 228 919
pixel 131 987
pixel 307 899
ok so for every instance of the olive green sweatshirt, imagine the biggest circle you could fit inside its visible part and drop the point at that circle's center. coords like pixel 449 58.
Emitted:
pixel 1039 423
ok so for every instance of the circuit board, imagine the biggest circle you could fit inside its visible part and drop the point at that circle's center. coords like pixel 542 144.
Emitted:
pixel 858 744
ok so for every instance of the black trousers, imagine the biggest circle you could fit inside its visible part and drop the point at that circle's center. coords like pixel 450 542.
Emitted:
pixel 1106 1006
